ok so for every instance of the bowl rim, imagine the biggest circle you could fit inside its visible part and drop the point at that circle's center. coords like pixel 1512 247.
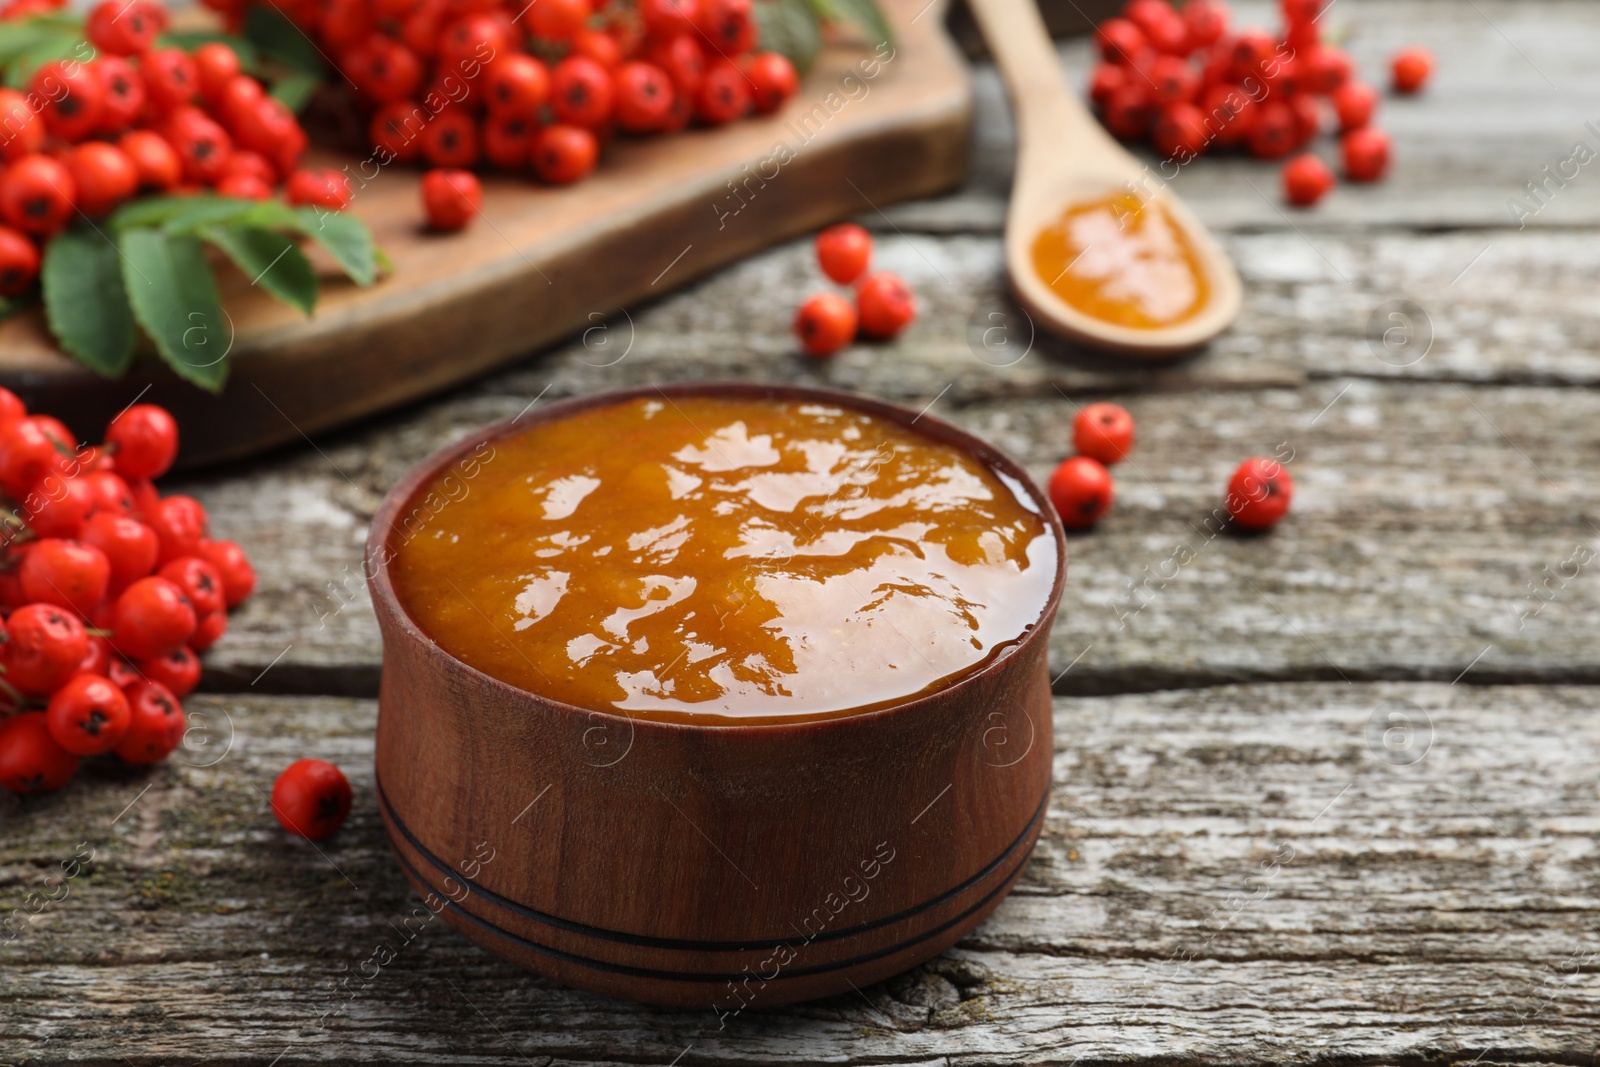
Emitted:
pixel 375 564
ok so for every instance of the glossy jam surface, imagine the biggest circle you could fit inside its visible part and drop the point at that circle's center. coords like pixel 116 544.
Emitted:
pixel 709 560
pixel 1122 261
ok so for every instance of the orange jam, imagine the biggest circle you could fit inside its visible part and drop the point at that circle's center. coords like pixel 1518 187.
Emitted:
pixel 710 560
pixel 1124 261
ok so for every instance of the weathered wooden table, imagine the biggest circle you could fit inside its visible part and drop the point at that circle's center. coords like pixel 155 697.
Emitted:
pixel 1249 857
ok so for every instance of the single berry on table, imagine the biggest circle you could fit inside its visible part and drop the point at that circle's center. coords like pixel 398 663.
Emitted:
pixel 1104 432
pixel 451 197
pixel 885 304
pixel 1366 154
pixel 1259 493
pixel 1080 490
pixel 1306 179
pixel 311 798
pixel 1354 103
pixel 825 324
pixel 843 252
pixel 1411 68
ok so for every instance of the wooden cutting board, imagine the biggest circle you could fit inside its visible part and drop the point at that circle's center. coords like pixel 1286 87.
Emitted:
pixel 867 129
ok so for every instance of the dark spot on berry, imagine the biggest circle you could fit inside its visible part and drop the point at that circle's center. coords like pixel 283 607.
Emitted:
pixel 327 808
pixel 92 724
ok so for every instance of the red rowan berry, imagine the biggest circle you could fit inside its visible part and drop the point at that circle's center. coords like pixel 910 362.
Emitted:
pixel 1366 154
pixel 154 159
pixel 1259 493
pixel 151 618
pixel 843 252
pixel 37 195
pixel 1411 68
pixel 44 645
pixel 31 761
pixel 1081 491
pixel 311 798
pixel 1104 432
pixel 171 78
pixel 451 139
pixel 155 723
pixel 178 670
pixel 66 574
pixel 88 715
pixel 123 98
pixel 644 97
pixel 326 188
pixel 825 324
pixel 19 262
pixel 885 303
pixel 581 92
pixel 238 577
pixel 131 548
pixel 723 95
pixel 1306 179
pixel 563 154
pixel 144 438
pixel 103 175
pixel 450 198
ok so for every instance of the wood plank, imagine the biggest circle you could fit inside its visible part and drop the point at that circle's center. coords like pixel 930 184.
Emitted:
pixel 883 124
pixel 1488 122
pixel 1431 909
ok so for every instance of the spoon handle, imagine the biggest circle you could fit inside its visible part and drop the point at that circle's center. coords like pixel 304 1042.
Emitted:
pixel 1049 116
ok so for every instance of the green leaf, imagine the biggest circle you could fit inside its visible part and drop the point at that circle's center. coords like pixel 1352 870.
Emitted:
pixel 85 302
pixel 56 45
pixel 280 39
pixel 189 40
pixel 174 298
pixel 180 212
pixel 862 13
pixel 295 90
pixel 790 27
pixel 270 260
pixel 17 37
pixel 345 237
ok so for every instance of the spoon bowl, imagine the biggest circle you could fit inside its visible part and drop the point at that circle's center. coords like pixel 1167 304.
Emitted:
pixel 1065 158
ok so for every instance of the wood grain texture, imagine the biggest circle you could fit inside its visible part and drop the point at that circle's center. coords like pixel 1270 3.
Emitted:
pixel 1231 875
pixel 869 126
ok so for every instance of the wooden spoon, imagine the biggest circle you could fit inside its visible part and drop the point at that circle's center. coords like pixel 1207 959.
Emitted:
pixel 1064 157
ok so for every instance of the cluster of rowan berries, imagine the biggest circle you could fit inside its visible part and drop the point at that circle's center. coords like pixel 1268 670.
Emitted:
pixel 1081 489
pixel 108 589
pixel 884 304
pixel 1183 80
pixel 129 117
pixel 535 87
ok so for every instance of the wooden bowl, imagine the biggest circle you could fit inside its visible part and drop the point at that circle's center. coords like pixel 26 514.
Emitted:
pixel 722 866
